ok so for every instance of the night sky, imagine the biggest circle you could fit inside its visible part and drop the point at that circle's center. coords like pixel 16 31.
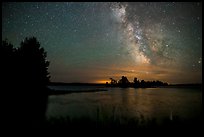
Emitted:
pixel 92 42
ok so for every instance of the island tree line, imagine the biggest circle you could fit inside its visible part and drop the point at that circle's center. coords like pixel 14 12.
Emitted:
pixel 124 82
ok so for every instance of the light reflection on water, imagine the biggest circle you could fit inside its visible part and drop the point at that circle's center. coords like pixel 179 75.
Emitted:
pixel 129 102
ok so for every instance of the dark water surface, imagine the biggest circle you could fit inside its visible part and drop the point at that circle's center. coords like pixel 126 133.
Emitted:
pixel 129 102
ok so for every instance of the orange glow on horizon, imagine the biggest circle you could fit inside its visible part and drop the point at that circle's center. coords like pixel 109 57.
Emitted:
pixel 143 72
pixel 102 81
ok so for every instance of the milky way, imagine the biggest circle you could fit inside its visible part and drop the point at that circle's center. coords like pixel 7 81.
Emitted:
pixel 132 36
pixel 90 42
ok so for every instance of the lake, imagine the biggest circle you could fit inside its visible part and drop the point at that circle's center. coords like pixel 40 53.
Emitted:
pixel 126 102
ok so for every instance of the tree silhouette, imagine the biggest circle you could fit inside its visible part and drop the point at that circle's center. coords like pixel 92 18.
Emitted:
pixel 136 83
pixel 7 56
pixel 113 82
pixel 25 75
pixel 33 62
pixel 34 73
pixel 123 82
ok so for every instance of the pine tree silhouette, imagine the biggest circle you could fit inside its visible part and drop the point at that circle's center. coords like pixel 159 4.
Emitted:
pixel 25 75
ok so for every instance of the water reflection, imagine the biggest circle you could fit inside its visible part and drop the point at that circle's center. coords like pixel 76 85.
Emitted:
pixel 129 102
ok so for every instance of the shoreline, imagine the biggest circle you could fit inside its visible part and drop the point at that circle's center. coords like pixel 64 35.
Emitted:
pixel 104 88
pixel 62 92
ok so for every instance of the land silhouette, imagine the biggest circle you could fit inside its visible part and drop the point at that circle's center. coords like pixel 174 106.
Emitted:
pixel 124 83
pixel 25 77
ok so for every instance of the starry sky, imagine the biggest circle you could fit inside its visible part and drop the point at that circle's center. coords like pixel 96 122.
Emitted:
pixel 92 42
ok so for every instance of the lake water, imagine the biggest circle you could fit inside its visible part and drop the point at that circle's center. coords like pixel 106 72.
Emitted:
pixel 129 102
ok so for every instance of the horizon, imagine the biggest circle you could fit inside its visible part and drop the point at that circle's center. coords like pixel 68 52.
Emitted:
pixel 130 82
pixel 92 42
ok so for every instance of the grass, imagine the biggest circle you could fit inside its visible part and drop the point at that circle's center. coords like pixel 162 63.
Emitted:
pixel 104 121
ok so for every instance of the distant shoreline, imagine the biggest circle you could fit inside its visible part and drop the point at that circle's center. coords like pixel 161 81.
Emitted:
pixel 185 85
pixel 101 84
pixel 74 84
pixel 62 92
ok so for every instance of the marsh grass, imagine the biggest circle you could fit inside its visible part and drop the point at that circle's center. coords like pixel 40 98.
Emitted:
pixel 113 121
